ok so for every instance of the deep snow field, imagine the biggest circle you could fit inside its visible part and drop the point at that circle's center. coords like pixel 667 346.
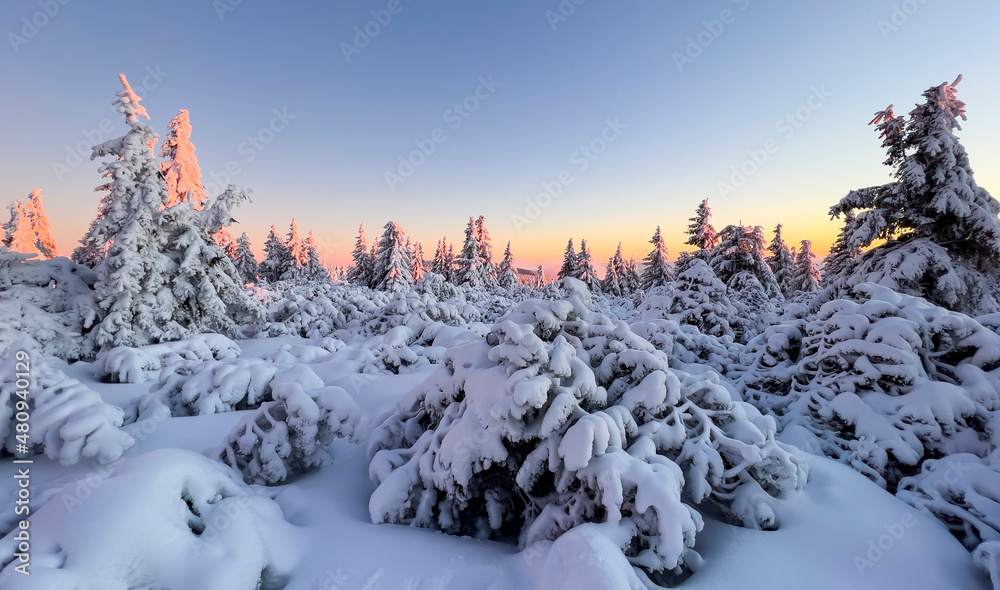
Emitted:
pixel 133 523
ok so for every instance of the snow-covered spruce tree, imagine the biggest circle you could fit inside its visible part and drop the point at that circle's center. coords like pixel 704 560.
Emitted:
pixel 630 280
pixel 698 298
pixel 40 225
pixel 417 262
pixel 881 381
pixel 942 229
pixel 442 261
pixel 298 257
pixel 133 290
pixel 364 265
pixel 738 261
pixel 585 267
pixel 614 275
pixel 224 239
pixel 245 261
pixel 392 261
pixel 563 417
pixel 571 265
pixel 485 244
pixel 506 272
pixel 840 261
pixel 782 262
pixel 180 168
pixel 277 258
pixel 18 236
pixel 806 277
pixel 700 232
pixel 540 280
pixel 468 265
pixel 205 284
pixel 314 269
pixel 656 271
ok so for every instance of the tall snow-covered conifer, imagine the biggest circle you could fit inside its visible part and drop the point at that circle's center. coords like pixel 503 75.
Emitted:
pixel 656 272
pixel 806 277
pixel 364 266
pixel 585 267
pixel 180 168
pixel 700 232
pixel 133 290
pixel 506 273
pixel 246 262
pixel 392 261
pixel 781 261
pixel 614 275
pixel 469 264
pixel 570 266
pixel 276 258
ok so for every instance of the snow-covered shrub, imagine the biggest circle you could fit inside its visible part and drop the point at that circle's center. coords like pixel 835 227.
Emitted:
pixel 212 387
pixel 68 421
pixel 963 492
pixel 200 528
pixel 563 417
pixel 685 345
pixel 881 383
pixel 304 353
pixel 144 363
pixel 48 300
pixel 289 436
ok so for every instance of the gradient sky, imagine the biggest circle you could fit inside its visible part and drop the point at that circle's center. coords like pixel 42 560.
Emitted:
pixel 560 81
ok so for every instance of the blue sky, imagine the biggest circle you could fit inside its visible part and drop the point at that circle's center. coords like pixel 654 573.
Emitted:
pixel 673 95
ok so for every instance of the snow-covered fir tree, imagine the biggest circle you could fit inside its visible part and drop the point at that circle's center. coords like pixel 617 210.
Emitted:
pixel 839 262
pixel 277 258
pixel 315 269
pixel 40 225
pixel 942 229
pixel 416 261
pixel 700 232
pixel 224 239
pixel 585 267
pixel 781 261
pixel 506 272
pixel 205 284
pixel 469 265
pixel 656 270
pixel 631 282
pixel 540 280
pixel 245 261
pixel 18 236
pixel 806 277
pixel 571 265
pixel 133 290
pixel 738 261
pixel 364 265
pixel 614 275
pixel 298 256
pixel 485 252
pixel 180 168
pixel 392 261
pixel 442 263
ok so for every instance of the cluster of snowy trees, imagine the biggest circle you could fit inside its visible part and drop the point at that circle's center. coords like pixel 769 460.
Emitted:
pixel 634 401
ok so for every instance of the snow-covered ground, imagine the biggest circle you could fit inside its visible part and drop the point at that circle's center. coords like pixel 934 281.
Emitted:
pixel 132 524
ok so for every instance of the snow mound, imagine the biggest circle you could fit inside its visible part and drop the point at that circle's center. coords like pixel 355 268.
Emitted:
pixel 564 417
pixel 123 364
pixel 165 519
pixel 68 420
